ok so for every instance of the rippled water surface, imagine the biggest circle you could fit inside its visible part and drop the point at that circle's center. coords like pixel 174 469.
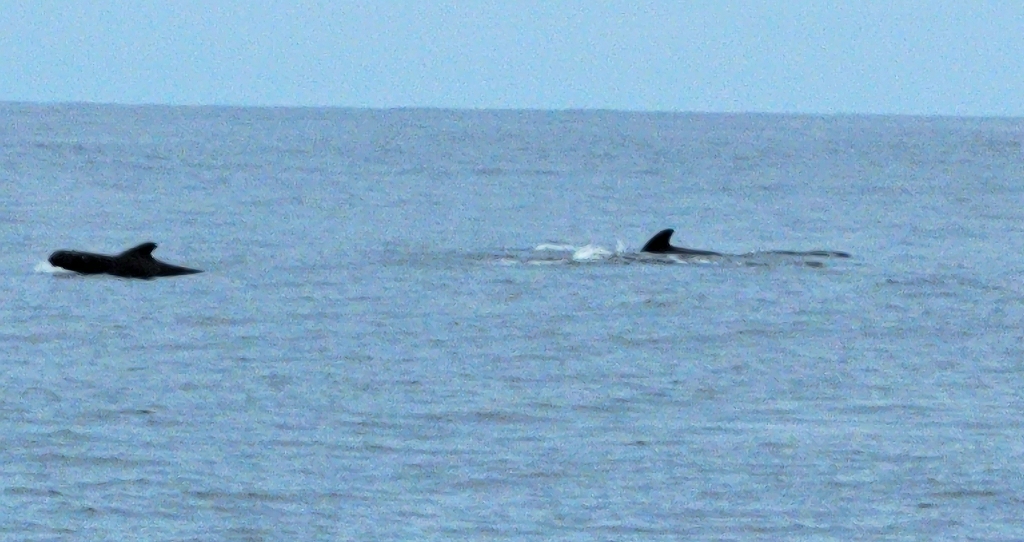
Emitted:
pixel 434 325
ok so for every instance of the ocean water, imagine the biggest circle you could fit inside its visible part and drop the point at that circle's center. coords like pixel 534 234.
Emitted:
pixel 434 325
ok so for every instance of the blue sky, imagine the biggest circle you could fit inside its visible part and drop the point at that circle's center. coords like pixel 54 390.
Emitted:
pixel 942 57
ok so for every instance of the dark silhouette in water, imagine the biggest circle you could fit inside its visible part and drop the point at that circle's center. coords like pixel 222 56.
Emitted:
pixel 134 263
pixel 659 244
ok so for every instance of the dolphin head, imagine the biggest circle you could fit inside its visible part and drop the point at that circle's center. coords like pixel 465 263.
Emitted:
pixel 81 262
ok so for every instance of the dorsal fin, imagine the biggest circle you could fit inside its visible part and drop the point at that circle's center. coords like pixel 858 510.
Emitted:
pixel 659 243
pixel 145 250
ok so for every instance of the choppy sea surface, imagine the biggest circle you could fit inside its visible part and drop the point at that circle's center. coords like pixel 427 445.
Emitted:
pixel 435 325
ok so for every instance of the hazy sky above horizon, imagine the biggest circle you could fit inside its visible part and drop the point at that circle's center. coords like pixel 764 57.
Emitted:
pixel 940 57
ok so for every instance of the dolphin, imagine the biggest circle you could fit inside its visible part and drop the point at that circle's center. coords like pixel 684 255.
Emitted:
pixel 134 263
pixel 659 244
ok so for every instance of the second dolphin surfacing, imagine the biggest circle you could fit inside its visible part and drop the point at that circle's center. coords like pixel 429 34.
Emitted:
pixel 659 244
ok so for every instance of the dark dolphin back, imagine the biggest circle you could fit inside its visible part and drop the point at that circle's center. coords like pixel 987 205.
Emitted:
pixel 145 250
pixel 821 253
pixel 138 262
pixel 169 270
pixel 659 244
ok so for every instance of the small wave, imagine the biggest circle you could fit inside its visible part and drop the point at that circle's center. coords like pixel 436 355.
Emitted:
pixel 555 247
pixel 690 260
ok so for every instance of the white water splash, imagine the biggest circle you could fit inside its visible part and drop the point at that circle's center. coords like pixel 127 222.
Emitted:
pixel 591 253
pixel 45 267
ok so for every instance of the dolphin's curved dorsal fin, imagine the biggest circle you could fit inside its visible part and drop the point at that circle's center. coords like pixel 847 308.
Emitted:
pixel 659 243
pixel 145 250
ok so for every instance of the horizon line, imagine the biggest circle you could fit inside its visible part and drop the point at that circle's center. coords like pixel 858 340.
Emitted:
pixel 481 109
